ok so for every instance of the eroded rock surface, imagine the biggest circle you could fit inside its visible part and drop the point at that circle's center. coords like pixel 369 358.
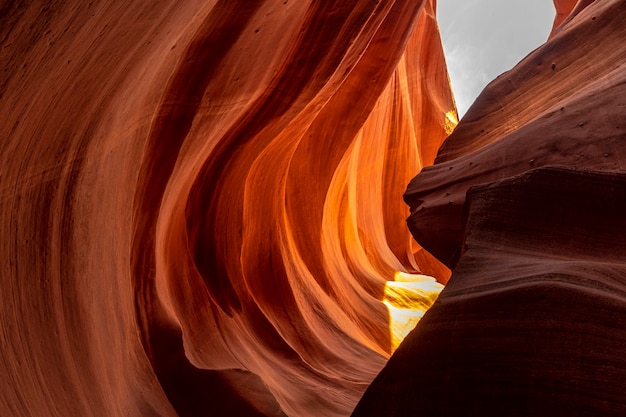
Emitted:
pixel 201 201
pixel 533 317
pixel 201 214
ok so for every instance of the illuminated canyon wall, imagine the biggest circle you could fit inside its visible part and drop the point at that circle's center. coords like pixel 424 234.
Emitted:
pixel 202 204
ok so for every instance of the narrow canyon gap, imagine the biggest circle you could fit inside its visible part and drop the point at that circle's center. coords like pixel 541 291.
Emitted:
pixel 202 212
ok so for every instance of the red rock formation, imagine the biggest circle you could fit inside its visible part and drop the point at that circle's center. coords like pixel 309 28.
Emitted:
pixel 201 201
pixel 201 205
pixel 532 318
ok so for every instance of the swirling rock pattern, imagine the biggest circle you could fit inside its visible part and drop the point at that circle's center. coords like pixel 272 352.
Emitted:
pixel 201 201
pixel 532 320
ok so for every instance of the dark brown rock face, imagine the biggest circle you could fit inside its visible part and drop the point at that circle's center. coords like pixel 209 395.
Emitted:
pixel 533 318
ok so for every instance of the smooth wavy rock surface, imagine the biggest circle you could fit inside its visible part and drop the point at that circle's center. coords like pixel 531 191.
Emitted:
pixel 201 204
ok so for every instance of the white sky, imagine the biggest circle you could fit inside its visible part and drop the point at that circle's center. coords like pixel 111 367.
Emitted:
pixel 484 38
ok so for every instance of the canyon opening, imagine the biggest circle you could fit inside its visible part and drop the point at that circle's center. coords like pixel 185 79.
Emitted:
pixel 251 208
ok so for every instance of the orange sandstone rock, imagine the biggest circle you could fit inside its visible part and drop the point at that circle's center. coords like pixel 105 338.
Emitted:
pixel 201 201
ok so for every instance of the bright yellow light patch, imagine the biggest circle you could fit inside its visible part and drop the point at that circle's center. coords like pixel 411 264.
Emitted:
pixel 407 298
pixel 451 121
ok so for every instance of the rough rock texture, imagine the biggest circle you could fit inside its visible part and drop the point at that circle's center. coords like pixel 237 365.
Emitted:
pixel 533 319
pixel 200 201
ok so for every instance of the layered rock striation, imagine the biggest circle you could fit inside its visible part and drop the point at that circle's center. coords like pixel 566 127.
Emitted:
pixel 201 202
pixel 201 212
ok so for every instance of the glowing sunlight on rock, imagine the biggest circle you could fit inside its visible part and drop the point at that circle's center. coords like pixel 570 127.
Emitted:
pixel 408 297
pixel 452 119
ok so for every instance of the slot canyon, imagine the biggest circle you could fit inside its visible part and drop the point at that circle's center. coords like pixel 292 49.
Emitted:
pixel 245 207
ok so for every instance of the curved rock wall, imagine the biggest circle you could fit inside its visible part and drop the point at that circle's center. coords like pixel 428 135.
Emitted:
pixel 201 214
pixel 201 201
pixel 526 203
